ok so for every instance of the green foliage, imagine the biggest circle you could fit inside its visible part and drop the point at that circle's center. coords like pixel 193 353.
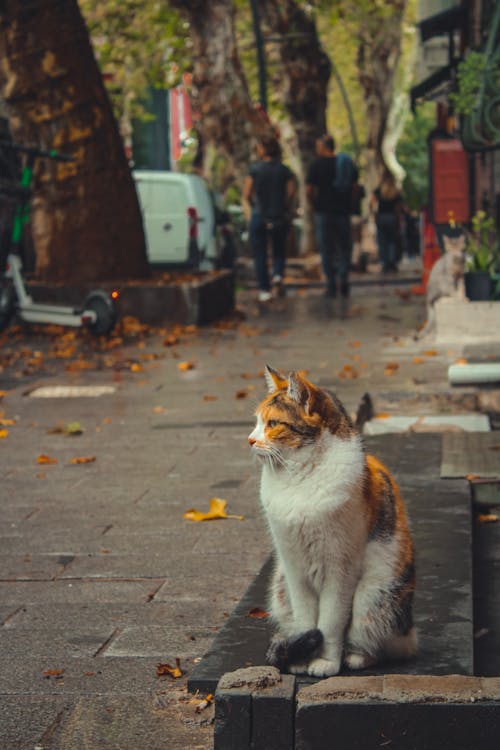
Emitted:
pixel 137 44
pixel 412 153
pixel 469 75
pixel 482 243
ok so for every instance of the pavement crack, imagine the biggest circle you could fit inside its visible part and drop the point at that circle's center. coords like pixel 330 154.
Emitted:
pixel 51 729
pixel 107 642
pixel 64 561
pixel 141 496
pixel 107 528
pixel 152 594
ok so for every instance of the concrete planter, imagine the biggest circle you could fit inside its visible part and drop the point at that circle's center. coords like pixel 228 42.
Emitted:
pixel 203 299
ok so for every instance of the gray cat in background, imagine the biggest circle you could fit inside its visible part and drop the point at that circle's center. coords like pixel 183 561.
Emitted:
pixel 446 279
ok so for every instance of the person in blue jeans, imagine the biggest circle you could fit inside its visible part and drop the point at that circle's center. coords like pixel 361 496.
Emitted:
pixel 268 196
pixel 332 209
pixel 387 204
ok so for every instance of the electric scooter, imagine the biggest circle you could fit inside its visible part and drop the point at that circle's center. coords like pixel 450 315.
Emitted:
pixel 98 312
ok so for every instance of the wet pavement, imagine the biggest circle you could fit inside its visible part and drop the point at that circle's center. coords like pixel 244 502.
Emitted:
pixel 101 576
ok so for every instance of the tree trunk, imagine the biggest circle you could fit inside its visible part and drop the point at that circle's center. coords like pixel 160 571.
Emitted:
pixel 222 110
pixel 378 56
pixel 307 69
pixel 86 219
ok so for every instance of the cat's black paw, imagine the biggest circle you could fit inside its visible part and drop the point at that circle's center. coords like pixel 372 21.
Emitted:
pixel 285 651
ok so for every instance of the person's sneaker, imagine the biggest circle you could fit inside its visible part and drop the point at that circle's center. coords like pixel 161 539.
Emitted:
pixel 277 280
pixel 264 296
pixel 278 286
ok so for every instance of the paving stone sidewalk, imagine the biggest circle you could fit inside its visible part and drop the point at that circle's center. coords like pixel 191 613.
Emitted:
pixel 101 578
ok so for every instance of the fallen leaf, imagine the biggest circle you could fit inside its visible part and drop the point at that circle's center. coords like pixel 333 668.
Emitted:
pixel 4 434
pixel 210 398
pixel 461 361
pixel 167 669
pixel 471 477
pixel 355 344
pixel 136 367
pixel 391 368
pixel 159 410
pixel 44 459
pixel 7 423
pixel 494 447
pixel 348 372
pixel 53 673
pixel 418 360
pixel 217 510
pixel 82 460
pixel 2 394
pixel 488 518
pixel 41 475
pixel 382 415
pixel 185 366
pixel 431 353
pixel 242 393
pixel 258 614
pixel 171 340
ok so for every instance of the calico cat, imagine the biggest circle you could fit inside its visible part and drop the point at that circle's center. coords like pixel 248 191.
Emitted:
pixel 446 279
pixel 343 584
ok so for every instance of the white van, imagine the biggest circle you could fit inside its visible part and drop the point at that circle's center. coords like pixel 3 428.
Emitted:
pixel 178 218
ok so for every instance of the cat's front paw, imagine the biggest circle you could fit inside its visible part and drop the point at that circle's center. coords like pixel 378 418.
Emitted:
pixel 323 667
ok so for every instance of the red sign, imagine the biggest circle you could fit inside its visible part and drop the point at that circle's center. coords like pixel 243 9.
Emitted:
pixel 450 181
pixel 180 120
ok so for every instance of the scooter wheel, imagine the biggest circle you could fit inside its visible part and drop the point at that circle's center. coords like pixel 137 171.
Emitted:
pixel 105 311
pixel 7 304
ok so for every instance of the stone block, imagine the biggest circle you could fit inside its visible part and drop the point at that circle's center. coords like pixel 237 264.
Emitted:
pixel 466 322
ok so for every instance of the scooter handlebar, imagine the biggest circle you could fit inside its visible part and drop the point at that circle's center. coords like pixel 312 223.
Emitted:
pixel 37 152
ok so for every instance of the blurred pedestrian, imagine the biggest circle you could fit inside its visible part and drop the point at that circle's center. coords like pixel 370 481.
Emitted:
pixel 268 196
pixel 329 187
pixel 387 205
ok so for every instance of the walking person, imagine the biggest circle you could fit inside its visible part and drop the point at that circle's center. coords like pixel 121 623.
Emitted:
pixel 329 185
pixel 387 205
pixel 268 196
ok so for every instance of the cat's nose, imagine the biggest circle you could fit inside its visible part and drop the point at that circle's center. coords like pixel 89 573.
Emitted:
pixel 251 440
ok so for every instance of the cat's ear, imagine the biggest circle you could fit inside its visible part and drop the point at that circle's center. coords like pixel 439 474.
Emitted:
pixel 274 379
pixel 299 390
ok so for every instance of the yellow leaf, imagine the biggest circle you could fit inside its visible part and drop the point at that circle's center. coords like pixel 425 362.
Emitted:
pixel 167 669
pixel 136 367
pixel 487 518
pixel 185 366
pixel 461 361
pixel 44 459
pixel 391 368
pixel 431 353
pixel 7 423
pixel 82 460
pixel 418 360
pixel 4 434
pixel 217 510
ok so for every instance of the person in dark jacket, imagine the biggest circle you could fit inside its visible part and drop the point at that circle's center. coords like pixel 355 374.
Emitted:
pixel 387 204
pixel 268 195
pixel 332 204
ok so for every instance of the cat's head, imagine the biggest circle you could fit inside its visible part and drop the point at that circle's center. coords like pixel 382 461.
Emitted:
pixel 454 244
pixel 295 415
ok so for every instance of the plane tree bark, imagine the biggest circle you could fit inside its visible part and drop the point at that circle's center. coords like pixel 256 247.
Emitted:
pixel 86 221
pixel 223 112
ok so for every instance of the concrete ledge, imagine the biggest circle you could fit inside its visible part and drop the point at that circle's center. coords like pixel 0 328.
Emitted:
pixel 466 322
pixel 205 298
pixel 254 710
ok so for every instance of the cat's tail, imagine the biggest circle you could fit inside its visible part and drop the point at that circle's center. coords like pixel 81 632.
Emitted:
pixel 283 652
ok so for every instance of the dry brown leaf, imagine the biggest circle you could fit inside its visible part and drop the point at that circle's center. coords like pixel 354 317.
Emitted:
pixel 494 447
pixel 171 340
pixel 355 344
pixel 4 434
pixel 44 459
pixel 185 366
pixel 210 398
pixel 471 477
pixel 82 460
pixel 53 673
pixel 258 614
pixel 136 367
pixel 391 368
pixel 488 518
pixel 382 415
pixel 461 361
pixel 7 423
pixel 348 372
pixel 418 360
pixel 431 353
pixel 163 669
pixel 217 510
pixel 242 393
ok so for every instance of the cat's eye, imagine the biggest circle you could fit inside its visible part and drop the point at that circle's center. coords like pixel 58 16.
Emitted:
pixel 272 423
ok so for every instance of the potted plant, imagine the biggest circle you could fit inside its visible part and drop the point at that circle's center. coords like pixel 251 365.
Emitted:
pixel 482 257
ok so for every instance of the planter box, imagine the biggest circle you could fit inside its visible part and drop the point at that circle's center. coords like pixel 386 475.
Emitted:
pixel 201 299
pixel 463 322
